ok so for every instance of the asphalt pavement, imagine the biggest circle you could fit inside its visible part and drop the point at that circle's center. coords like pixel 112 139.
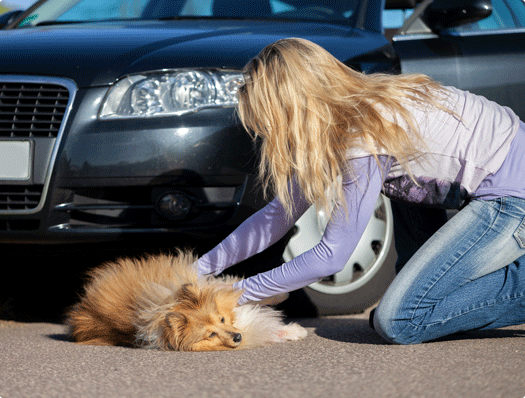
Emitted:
pixel 341 357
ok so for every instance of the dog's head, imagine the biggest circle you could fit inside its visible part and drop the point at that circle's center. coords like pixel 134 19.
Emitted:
pixel 202 319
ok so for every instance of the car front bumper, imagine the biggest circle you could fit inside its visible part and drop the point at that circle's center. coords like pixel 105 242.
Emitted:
pixel 108 180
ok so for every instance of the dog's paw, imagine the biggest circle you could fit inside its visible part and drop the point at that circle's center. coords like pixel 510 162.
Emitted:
pixel 291 332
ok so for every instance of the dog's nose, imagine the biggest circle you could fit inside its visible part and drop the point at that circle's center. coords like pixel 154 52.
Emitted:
pixel 237 337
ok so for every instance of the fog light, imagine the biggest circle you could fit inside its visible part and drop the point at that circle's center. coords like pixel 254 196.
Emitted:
pixel 174 205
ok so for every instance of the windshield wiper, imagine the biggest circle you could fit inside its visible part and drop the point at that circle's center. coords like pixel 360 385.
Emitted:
pixel 69 22
pixel 193 17
pixel 44 23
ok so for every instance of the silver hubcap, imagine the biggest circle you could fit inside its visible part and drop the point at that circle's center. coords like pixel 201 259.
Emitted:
pixel 367 258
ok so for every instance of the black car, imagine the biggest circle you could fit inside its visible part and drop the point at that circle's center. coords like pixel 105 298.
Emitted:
pixel 117 119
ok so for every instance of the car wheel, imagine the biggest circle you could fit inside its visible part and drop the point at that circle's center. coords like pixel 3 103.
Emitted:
pixel 367 273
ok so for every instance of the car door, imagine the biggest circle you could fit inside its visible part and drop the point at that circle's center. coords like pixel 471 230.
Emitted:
pixel 486 57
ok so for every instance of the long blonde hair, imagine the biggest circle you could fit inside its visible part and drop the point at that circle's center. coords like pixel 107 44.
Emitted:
pixel 308 109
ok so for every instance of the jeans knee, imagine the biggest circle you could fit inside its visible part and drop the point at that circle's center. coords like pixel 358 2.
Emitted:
pixel 383 326
pixel 396 330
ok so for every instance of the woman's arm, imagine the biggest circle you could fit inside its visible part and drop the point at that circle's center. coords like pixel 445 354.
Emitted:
pixel 258 232
pixel 337 244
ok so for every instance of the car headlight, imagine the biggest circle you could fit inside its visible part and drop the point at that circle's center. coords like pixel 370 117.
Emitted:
pixel 173 92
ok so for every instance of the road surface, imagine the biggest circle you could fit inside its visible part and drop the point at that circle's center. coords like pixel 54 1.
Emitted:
pixel 341 357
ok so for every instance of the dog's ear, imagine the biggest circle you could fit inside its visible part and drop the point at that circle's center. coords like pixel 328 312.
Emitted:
pixel 190 294
pixel 227 298
pixel 175 325
pixel 176 320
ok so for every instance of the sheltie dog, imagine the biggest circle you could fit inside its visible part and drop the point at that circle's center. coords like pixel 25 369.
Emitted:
pixel 160 302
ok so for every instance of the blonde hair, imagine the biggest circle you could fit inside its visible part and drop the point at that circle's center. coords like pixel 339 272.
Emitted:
pixel 308 109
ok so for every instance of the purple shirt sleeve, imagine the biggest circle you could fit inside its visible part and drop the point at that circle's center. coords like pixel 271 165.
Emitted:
pixel 270 224
pixel 255 234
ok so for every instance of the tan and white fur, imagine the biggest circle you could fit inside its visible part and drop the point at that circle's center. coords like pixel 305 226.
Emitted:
pixel 160 302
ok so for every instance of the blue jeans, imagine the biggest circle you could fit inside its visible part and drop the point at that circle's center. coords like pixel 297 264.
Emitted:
pixel 470 275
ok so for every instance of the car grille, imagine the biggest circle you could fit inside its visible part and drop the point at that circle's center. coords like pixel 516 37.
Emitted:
pixel 16 197
pixel 31 109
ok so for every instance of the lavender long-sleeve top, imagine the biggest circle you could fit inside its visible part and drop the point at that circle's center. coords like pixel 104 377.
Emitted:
pixel 479 155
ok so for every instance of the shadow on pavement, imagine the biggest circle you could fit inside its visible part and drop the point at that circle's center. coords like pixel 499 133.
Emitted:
pixel 357 331
pixel 348 330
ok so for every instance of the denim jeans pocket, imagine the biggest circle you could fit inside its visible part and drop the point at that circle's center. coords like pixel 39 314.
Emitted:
pixel 519 235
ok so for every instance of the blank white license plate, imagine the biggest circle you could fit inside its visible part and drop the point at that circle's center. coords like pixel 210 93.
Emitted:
pixel 15 160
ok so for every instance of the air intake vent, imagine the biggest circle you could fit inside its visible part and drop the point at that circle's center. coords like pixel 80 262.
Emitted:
pixel 17 197
pixel 31 109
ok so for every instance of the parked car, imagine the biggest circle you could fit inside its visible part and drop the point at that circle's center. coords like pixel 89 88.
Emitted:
pixel 117 119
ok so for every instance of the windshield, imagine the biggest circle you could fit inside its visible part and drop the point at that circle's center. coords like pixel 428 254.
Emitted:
pixel 79 11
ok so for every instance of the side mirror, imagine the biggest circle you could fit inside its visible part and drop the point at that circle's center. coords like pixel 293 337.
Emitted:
pixel 443 14
pixel 8 17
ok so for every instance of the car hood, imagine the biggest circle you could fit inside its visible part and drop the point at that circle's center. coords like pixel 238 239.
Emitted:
pixel 98 54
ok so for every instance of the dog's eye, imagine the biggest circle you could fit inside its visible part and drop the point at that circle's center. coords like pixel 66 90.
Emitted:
pixel 223 320
pixel 213 334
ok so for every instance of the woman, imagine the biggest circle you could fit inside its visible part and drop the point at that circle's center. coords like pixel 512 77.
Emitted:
pixel 331 135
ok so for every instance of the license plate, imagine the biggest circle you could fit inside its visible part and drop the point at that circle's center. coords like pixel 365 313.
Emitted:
pixel 15 160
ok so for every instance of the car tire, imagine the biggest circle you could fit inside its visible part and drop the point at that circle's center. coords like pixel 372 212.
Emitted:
pixel 366 275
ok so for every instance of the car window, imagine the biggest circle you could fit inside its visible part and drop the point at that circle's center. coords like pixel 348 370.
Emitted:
pixel 108 9
pixel 204 7
pixel 394 19
pixel 518 8
pixel 321 10
pixel 62 11
pixel 506 14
